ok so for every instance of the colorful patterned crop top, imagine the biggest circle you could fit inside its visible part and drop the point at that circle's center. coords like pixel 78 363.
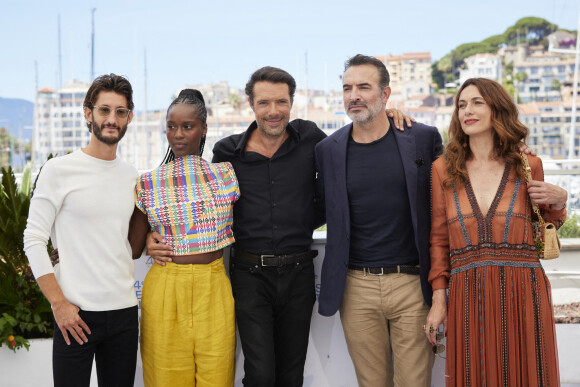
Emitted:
pixel 190 202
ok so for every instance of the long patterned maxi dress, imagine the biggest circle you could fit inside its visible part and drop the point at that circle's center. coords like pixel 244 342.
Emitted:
pixel 501 328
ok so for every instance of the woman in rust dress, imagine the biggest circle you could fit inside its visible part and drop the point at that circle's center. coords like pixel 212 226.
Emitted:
pixel 500 323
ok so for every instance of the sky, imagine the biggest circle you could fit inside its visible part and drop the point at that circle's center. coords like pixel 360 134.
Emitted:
pixel 200 42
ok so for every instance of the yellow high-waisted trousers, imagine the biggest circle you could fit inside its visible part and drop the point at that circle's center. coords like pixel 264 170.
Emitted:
pixel 188 333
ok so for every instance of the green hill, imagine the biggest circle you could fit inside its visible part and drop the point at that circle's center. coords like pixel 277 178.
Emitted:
pixel 529 30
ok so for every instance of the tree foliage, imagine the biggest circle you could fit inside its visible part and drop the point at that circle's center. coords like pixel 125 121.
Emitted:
pixel 521 76
pixel 438 76
pixel 235 100
pixel 531 30
pixel 495 40
pixel 570 229
pixel 24 311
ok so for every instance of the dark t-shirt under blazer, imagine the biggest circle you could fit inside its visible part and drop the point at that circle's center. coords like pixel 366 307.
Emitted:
pixel 418 146
pixel 381 232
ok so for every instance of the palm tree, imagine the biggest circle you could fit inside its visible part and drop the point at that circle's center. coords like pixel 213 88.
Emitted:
pixel 519 77
pixel 557 85
pixel 236 101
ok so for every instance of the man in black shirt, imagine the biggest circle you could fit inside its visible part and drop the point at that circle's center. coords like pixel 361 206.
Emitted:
pixel 376 189
pixel 271 266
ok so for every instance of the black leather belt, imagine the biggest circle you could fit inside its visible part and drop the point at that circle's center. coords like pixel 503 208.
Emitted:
pixel 405 269
pixel 274 260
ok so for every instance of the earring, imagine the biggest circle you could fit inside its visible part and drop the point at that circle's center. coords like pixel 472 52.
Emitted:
pixel 464 144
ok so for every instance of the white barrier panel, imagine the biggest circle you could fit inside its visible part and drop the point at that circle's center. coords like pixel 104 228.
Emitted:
pixel 327 362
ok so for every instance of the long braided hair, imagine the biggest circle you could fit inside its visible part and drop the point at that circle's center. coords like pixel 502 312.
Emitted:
pixel 189 97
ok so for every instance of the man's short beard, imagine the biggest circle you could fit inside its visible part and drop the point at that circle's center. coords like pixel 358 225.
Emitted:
pixel 371 112
pixel 98 132
pixel 268 131
pixel 369 115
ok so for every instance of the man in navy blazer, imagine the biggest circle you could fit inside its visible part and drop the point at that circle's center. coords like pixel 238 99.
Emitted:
pixel 376 184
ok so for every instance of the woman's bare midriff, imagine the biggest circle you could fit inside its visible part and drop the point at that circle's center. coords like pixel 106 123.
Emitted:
pixel 198 259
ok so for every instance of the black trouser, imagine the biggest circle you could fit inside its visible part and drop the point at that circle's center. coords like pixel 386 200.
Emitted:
pixel 113 344
pixel 273 312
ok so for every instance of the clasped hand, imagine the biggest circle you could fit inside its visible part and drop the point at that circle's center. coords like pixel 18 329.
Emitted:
pixel 158 249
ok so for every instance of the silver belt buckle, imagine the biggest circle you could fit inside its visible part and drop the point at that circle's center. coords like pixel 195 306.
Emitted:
pixel 266 256
pixel 381 273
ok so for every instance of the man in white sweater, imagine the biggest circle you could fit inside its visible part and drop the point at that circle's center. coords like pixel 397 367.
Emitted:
pixel 83 201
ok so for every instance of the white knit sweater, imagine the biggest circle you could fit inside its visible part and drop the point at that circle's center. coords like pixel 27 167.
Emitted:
pixel 84 204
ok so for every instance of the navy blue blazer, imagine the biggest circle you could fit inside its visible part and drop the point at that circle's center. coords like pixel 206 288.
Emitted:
pixel 419 146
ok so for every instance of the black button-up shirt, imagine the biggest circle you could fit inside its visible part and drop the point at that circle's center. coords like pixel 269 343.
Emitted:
pixel 277 211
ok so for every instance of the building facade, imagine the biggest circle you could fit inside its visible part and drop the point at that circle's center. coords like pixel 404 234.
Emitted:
pixel 482 66
pixel 60 127
pixel 59 123
pixel 549 124
pixel 410 73
pixel 540 77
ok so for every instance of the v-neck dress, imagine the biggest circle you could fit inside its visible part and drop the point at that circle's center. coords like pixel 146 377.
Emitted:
pixel 501 328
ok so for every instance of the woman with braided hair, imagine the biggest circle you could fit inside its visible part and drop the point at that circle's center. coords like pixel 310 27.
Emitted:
pixel 187 308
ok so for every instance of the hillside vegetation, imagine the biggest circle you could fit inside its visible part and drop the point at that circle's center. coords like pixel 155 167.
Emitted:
pixel 528 30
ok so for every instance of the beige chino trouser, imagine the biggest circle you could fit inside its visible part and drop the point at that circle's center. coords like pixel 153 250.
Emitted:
pixel 382 318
